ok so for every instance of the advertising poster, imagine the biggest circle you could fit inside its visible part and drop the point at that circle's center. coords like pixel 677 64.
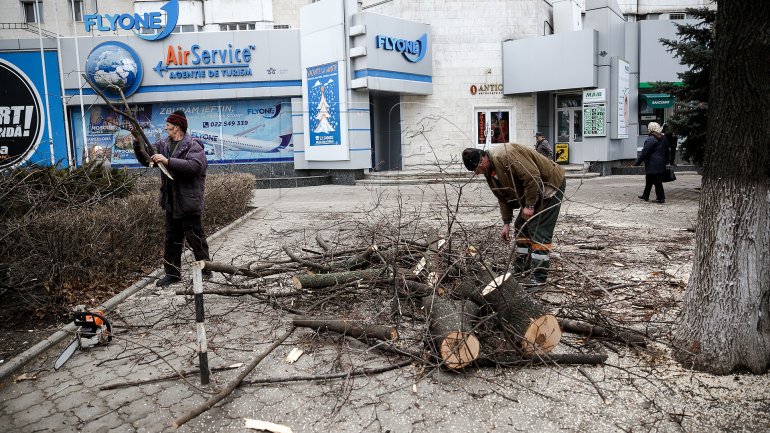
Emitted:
pixel 624 105
pixel 21 116
pixel 28 107
pixel 231 131
pixel 324 105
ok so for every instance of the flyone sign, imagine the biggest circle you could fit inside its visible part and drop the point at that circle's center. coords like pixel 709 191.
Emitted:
pixel 136 22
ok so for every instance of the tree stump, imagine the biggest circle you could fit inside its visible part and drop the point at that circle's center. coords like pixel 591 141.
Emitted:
pixel 525 322
pixel 449 323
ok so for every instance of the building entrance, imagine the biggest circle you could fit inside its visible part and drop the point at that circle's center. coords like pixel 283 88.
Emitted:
pixel 569 120
pixel 385 120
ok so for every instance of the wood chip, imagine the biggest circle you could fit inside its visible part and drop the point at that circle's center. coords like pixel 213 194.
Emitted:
pixel 294 355
pixel 25 376
pixel 266 426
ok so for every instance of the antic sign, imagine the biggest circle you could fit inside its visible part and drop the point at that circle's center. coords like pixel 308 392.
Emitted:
pixel 21 116
pixel 487 89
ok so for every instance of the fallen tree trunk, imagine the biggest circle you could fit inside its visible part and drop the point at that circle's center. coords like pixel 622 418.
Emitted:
pixel 589 330
pixel 449 323
pixel 347 327
pixel 524 321
pixel 317 281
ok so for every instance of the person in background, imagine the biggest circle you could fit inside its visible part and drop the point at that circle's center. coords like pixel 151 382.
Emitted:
pixel 521 178
pixel 654 155
pixel 543 146
pixel 672 143
pixel 181 198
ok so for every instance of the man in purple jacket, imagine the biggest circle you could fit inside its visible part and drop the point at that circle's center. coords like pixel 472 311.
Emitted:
pixel 181 198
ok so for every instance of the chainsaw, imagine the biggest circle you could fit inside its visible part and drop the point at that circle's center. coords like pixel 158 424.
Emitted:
pixel 93 329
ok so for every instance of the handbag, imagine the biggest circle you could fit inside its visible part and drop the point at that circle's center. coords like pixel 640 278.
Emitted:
pixel 668 175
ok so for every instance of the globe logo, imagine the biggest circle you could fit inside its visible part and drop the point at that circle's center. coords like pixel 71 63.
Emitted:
pixel 112 66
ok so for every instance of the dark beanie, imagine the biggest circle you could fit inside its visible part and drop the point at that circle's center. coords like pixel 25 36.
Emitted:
pixel 179 119
pixel 472 157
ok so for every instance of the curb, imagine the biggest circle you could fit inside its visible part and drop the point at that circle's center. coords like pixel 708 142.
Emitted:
pixel 68 330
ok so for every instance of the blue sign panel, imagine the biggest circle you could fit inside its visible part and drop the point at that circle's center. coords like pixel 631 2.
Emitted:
pixel 236 131
pixel 31 64
pixel 324 105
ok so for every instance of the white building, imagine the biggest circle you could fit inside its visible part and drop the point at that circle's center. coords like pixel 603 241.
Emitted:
pixel 495 71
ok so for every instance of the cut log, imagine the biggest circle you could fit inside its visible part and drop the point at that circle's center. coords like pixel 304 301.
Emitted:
pixel 589 330
pixel 230 269
pixel 524 321
pixel 449 323
pixel 357 261
pixel 318 281
pixel 347 327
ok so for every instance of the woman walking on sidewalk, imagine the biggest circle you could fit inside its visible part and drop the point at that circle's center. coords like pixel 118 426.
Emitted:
pixel 655 156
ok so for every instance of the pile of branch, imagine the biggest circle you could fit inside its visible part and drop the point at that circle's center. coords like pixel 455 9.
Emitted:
pixel 468 313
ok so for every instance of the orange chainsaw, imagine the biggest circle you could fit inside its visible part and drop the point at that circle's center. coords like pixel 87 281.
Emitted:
pixel 93 329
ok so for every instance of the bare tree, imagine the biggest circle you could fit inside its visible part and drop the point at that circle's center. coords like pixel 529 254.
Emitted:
pixel 725 321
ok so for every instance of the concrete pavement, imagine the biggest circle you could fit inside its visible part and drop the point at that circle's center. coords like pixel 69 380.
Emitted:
pixel 157 335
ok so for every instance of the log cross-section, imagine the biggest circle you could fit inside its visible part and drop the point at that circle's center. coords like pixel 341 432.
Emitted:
pixel 450 326
pixel 522 318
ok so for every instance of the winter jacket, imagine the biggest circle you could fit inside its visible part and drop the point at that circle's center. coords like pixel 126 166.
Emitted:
pixel 654 155
pixel 520 176
pixel 544 147
pixel 182 196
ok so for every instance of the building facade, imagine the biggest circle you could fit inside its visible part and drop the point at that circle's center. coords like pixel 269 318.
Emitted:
pixel 345 84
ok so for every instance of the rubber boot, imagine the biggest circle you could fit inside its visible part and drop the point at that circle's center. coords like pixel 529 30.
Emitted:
pixel 522 259
pixel 541 263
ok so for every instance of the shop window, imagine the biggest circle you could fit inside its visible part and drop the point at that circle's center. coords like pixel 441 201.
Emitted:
pixel 493 126
pixel 33 13
pixel 569 101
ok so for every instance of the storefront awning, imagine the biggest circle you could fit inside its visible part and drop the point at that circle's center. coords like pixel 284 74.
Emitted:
pixel 659 100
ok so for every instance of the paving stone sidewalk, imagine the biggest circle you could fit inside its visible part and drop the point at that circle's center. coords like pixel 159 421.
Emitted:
pixel 157 335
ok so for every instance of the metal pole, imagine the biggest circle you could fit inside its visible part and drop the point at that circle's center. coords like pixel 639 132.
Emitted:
pixel 61 88
pixel 80 92
pixel 45 82
pixel 197 279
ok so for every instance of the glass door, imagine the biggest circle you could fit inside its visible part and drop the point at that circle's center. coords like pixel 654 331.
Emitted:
pixel 569 121
pixel 493 126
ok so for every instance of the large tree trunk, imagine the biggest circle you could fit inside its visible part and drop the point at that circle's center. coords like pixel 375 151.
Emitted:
pixel 524 320
pixel 451 330
pixel 725 321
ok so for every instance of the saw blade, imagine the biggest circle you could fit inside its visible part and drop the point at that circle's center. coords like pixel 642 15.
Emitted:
pixel 165 171
pixel 66 354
